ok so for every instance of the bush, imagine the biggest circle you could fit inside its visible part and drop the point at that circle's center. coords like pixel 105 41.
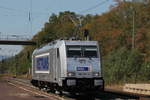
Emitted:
pixel 122 65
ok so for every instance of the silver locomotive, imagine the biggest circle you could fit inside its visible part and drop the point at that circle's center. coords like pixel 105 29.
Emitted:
pixel 63 65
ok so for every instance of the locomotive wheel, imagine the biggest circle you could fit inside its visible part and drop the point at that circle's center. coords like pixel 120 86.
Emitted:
pixel 60 92
pixel 52 90
pixel 73 93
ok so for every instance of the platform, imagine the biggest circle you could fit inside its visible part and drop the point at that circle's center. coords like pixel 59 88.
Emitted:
pixel 137 88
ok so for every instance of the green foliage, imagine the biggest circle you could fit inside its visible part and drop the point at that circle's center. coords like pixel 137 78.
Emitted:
pixel 122 65
pixel 145 72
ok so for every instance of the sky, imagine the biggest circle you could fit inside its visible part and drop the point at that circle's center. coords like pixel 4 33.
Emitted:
pixel 14 15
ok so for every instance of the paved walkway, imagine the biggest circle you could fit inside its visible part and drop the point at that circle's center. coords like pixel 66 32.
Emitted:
pixel 9 92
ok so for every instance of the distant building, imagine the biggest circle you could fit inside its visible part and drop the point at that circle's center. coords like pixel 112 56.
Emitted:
pixel 142 1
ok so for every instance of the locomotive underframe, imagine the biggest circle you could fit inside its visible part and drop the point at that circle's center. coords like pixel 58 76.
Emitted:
pixel 81 85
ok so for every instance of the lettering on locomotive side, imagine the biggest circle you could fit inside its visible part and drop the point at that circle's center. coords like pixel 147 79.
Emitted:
pixel 42 63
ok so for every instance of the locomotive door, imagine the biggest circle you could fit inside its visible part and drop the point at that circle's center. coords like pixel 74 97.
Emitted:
pixel 55 65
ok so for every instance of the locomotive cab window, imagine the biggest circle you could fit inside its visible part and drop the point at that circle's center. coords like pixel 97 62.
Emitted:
pixel 90 51
pixel 73 51
pixel 82 51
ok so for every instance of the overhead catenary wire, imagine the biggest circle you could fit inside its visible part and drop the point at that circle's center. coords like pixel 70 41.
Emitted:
pixel 94 7
pixel 19 13
pixel 23 11
pixel 47 13
pixel 11 9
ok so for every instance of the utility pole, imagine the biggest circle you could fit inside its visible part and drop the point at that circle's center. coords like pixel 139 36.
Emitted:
pixel 133 34
pixel 133 25
pixel 133 30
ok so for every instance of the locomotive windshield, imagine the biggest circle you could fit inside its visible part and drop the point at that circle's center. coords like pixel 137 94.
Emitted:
pixel 82 51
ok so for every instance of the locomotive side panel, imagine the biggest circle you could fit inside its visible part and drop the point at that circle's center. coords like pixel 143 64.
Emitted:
pixel 41 66
pixel 55 55
pixel 51 60
pixel 44 66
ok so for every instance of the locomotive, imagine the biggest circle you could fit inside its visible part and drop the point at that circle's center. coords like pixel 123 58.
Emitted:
pixel 68 65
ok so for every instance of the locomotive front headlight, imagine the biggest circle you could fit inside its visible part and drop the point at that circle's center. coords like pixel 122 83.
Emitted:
pixel 96 74
pixel 71 74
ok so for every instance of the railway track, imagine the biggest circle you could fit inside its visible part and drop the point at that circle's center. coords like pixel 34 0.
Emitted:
pixel 108 94
pixel 128 94
pixel 26 86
